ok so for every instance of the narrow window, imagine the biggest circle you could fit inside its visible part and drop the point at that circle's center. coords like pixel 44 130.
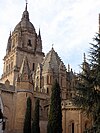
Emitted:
pixel 47 90
pixel 7 68
pixel 48 79
pixel 11 65
pixel 29 43
pixel 33 67
pixel 72 127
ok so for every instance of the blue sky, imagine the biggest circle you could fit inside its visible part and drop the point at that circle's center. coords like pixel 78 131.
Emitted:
pixel 68 24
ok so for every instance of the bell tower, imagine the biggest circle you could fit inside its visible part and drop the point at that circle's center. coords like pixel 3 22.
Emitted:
pixel 23 41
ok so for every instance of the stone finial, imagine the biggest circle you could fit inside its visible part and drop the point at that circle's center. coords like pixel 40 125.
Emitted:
pixel 68 68
pixel 39 33
pixel 52 45
pixel 25 15
pixel 26 5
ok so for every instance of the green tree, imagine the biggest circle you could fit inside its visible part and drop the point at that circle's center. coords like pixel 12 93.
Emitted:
pixel 88 87
pixel 35 123
pixel 55 114
pixel 27 121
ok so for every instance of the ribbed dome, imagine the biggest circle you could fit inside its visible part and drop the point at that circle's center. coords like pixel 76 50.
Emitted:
pixel 24 25
pixel 25 22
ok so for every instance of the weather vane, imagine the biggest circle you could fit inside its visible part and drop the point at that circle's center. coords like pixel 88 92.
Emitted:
pixel 26 5
pixel 26 2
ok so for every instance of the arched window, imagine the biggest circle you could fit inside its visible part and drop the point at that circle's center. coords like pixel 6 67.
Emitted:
pixel 49 79
pixel 7 68
pixel 33 67
pixel 71 127
pixel 29 43
pixel 11 64
pixel 47 90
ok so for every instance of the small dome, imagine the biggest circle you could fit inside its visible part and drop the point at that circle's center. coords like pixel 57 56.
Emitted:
pixel 25 22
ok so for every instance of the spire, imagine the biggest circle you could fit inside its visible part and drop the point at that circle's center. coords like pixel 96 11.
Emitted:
pixel 9 43
pixel 68 68
pixel 24 66
pixel 25 15
pixel 39 42
pixel 85 64
pixel 25 70
pixel 39 34
pixel 84 57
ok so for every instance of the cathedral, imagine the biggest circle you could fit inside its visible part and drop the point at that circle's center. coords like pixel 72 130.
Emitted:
pixel 28 72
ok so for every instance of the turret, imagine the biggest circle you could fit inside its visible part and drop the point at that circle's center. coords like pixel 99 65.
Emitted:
pixel 85 65
pixel 9 44
pixel 39 42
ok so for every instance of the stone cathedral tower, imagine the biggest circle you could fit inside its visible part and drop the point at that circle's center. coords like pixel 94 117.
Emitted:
pixel 29 73
pixel 23 41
